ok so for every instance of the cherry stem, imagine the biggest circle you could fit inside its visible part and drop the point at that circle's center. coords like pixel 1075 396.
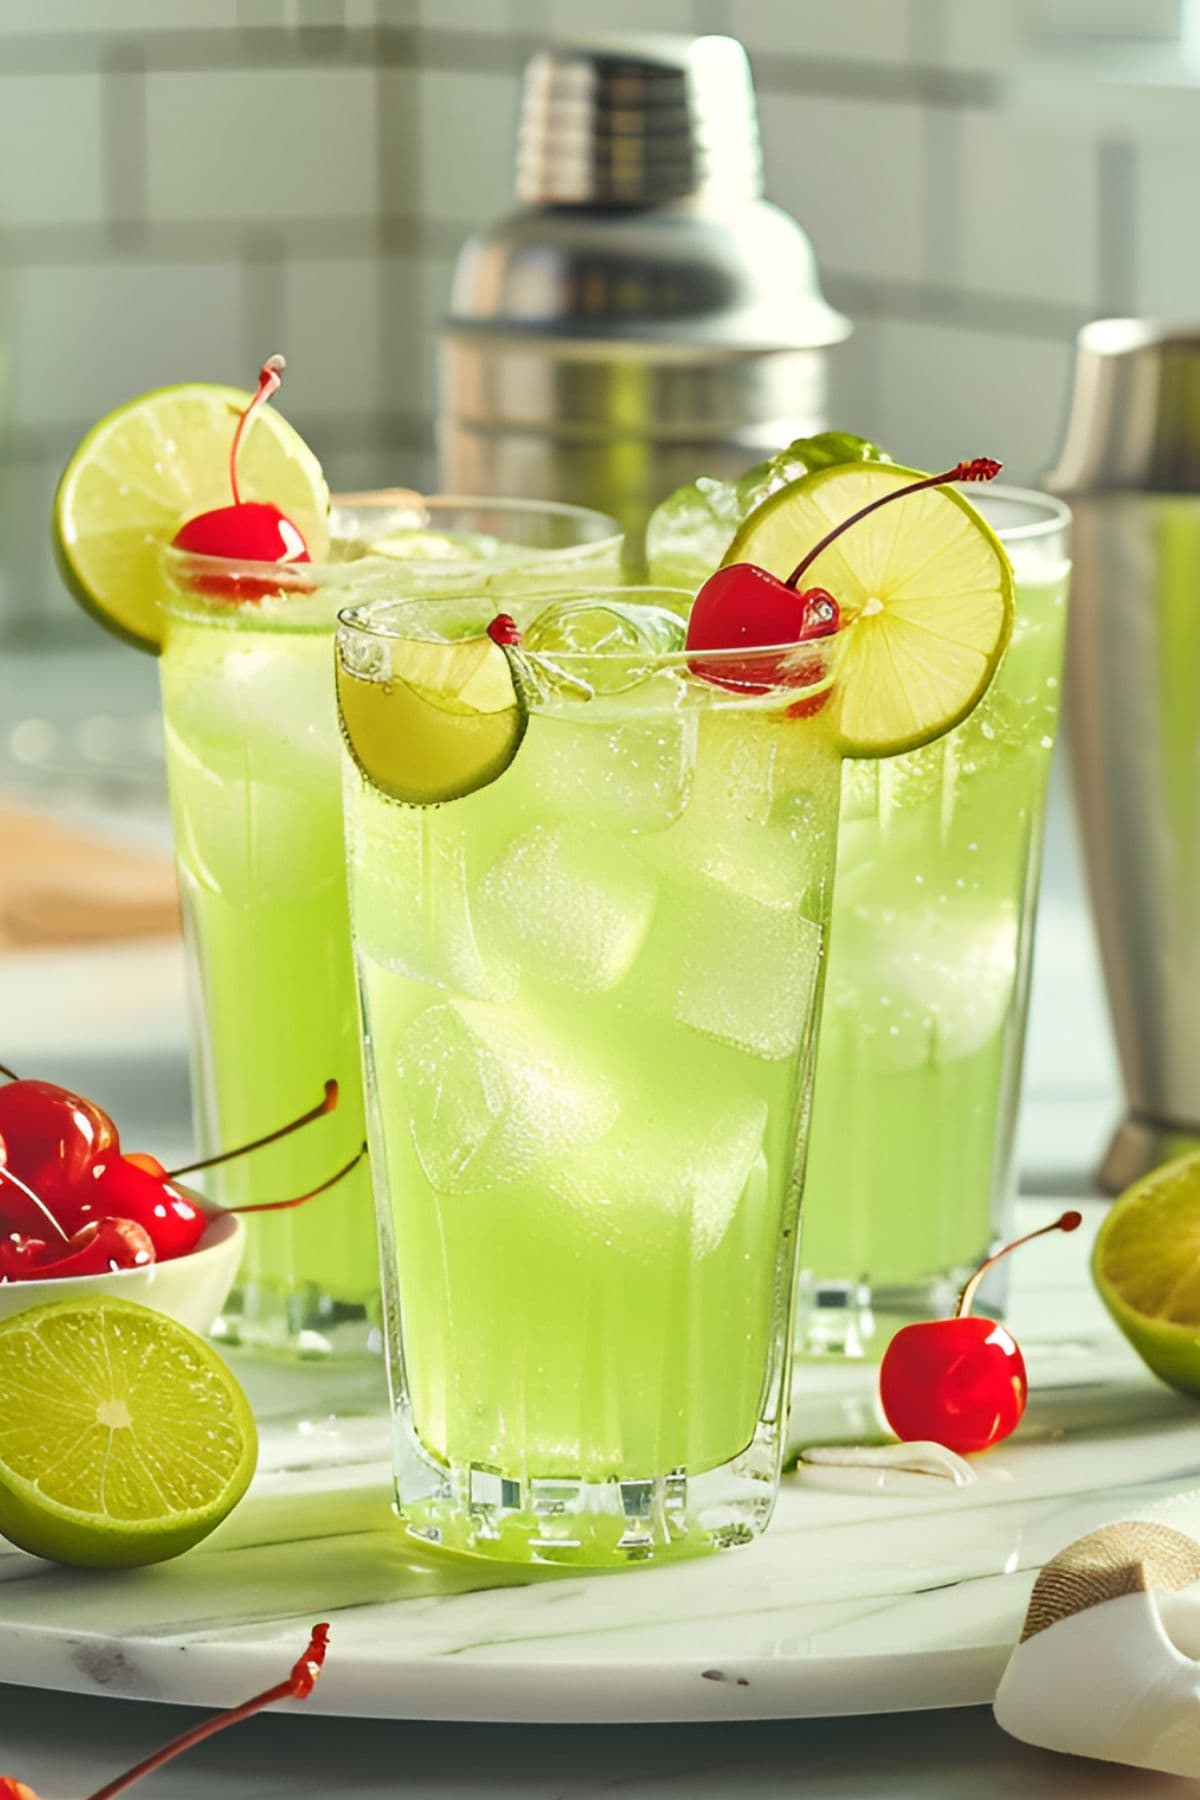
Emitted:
pixel 316 1112
pixel 981 468
pixel 299 1199
pixel 270 377
pixel 11 1073
pixel 1070 1221
pixel 298 1686
pixel 6 1174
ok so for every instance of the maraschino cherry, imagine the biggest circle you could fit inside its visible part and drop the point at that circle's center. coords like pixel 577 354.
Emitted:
pixel 249 530
pixel 120 1211
pixel 743 604
pixel 53 1137
pixel 961 1381
pixel 298 1686
pixel 100 1247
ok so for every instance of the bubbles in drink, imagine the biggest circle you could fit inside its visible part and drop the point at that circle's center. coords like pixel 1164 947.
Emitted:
pixel 925 985
pixel 632 773
pixel 492 1096
pixel 609 645
pixel 674 1178
pixel 724 963
pixel 413 910
pixel 564 903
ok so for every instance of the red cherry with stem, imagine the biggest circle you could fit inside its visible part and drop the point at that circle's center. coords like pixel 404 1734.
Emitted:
pixel 960 1381
pixel 298 1685
pixel 249 530
pixel 100 1247
pixel 53 1137
pixel 138 1188
pixel 743 604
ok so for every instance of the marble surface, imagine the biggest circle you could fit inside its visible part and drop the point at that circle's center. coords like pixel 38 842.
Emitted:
pixel 871 1592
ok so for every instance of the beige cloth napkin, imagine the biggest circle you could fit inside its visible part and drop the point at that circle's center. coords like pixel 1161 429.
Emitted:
pixel 1108 1663
pixel 60 888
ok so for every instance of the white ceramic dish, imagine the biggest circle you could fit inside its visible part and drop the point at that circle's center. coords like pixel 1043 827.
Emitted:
pixel 191 1288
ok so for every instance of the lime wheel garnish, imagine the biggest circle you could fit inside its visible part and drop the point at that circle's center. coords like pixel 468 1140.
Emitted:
pixel 921 581
pixel 430 720
pixel 155 463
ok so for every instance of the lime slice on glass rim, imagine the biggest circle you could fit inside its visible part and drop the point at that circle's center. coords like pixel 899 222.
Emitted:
pixel 151 465
pixel 1146 1266
pixel 124 1438
pixel 925 586
pixel 429 719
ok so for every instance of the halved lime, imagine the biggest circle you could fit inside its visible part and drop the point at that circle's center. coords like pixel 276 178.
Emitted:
pixel 1146 1266
pixel 925 583
pixel 124 1439
pixel 439 721
pixel 151 465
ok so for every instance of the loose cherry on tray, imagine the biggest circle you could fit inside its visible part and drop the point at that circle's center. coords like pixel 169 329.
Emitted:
pixel 745 605
pixel 961 1381
pixel 250 530
pixel 298 1685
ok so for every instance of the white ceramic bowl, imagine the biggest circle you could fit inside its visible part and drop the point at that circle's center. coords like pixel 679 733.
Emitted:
pixel 191 1288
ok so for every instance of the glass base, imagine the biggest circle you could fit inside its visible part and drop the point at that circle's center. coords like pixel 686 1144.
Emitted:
pixel 302 1324
pixel 857 1321
pixel 571 1522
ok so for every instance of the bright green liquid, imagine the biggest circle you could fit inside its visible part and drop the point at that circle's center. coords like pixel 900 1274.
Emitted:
pixel 255 778
pixel 919 1061
pixel 589 994
pixel 254 764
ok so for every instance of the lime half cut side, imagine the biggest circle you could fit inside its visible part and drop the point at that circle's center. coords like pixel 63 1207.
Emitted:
pixel 924 584
pixel 429 720
pixel 147 468
pixel 1146 1265
pixel 124 1438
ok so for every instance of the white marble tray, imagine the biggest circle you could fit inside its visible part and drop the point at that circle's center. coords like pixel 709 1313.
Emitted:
pixel 861 1598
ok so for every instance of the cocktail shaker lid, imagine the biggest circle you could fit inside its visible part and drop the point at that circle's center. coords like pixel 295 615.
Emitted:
pixel 643 222
pixel 1134 416
pixel 637 122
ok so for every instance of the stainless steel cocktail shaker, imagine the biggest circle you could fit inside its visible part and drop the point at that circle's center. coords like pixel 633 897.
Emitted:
pixel 647 316
pixel 1130 466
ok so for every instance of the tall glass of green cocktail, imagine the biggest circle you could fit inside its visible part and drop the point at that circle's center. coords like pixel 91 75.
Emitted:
pixel 938 856
pixel 915 1104
pixel 255 782
pixel 589 892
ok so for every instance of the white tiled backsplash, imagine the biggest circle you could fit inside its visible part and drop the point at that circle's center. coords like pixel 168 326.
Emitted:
pixel 186 185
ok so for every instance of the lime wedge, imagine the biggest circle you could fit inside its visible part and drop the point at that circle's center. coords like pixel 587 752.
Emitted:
pixel 925 584
pixel 124 1439
pixel 443 718
pixel 151 465
pixel 1146 1266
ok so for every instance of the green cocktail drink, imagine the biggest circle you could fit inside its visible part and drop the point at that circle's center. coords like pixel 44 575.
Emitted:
pixel 254 770
pixel 589 993
pixel 918 1078
pixel 938 857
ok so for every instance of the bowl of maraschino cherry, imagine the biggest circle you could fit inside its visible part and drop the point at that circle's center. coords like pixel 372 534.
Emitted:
pixel 81 1216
